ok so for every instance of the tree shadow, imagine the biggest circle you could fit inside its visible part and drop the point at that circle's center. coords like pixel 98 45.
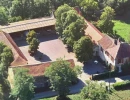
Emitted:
pixel 125 18
pixel 44 38
pixel 116 36
pixel 39 56
pixel 62 98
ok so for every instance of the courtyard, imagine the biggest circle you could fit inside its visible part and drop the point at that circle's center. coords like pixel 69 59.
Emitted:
pixel 50 48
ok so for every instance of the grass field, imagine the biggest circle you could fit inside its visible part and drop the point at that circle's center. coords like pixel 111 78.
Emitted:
pixel 122 29
pixel 118 95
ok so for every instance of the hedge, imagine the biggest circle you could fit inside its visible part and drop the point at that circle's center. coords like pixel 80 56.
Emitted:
pixel 105 75
pixel 121 85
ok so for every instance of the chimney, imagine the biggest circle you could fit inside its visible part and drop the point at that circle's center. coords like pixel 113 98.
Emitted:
pixel 115 41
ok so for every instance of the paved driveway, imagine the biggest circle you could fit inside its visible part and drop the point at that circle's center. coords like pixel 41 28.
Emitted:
pixel 92 68
pixel 50 48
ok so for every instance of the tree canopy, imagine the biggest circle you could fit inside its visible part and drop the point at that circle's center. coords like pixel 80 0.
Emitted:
pixel 3 16
pixel 61 75
pixel 105 23
pixel 69 24
pixel 94 91
pixel 23 85
pixel 83 49
pixel 88 8
pixel 6 57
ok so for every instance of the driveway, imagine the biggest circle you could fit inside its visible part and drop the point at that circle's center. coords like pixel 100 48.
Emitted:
pixel 50 48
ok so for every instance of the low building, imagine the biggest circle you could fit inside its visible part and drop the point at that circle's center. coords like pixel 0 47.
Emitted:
pixel 37 71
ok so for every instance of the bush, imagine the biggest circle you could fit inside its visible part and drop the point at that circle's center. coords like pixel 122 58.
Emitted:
pixel 121 85
pixel 105 75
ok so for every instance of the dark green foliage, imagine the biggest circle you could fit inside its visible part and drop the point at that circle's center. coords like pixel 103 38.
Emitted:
pixel 69 24
pixel 61 75
pixel 105 23
pixel 32 41
pixel 59 21
pixel 14 19
pixel 121 85
pixel 34 45
pixel 83 49
pixel 23 85
pixel 89 7
pixel 3 16
pixel 94 91
pixel 30 36
pixel 1 93
pixel 105 75
pixel 6 57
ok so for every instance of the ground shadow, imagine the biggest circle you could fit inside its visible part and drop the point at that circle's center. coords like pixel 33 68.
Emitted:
pixel 21 42
pixel 39 56
pixel 44 38
pixel 124 18
pixel 91 68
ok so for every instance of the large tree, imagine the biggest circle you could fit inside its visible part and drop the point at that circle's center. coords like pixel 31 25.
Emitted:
pixel 6 57
pixel 94 91
pixel 105 23
pixel 30 36
pixel 74 32
pixel 61 75
pixel 58 13
pixel 34 45
pixel 83 49
pixel 88 8
pixel 1 93
pixel 23 87
pixel 3 16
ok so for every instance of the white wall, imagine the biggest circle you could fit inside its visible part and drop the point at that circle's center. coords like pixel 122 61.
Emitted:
pixel 105 58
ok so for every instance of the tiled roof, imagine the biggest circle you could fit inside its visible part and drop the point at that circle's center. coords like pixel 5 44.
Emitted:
pixel 39 69
pixel 19 58
pixel 124 50
pixel 28 24
pixel 106 42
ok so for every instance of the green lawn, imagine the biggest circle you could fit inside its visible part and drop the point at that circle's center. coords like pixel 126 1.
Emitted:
pixel 118 95
pixel 122 28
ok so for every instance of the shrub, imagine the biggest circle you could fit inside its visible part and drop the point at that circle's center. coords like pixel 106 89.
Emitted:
pixel 121 85
pixel 105 75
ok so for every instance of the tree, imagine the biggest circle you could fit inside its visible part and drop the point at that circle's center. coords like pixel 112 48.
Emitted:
pixel 105 23
pixel 23 8
pixel 58 13
pixel 34 45
pixel 74 32
pixel 83 49
pixel 61 75
pixel 23 85
pixel 1 93
pixel 7 56
pixel 30 36
pixel 88 8
pixel 42 8
pixel 94 91
pixel 32 41
pixel 3 16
